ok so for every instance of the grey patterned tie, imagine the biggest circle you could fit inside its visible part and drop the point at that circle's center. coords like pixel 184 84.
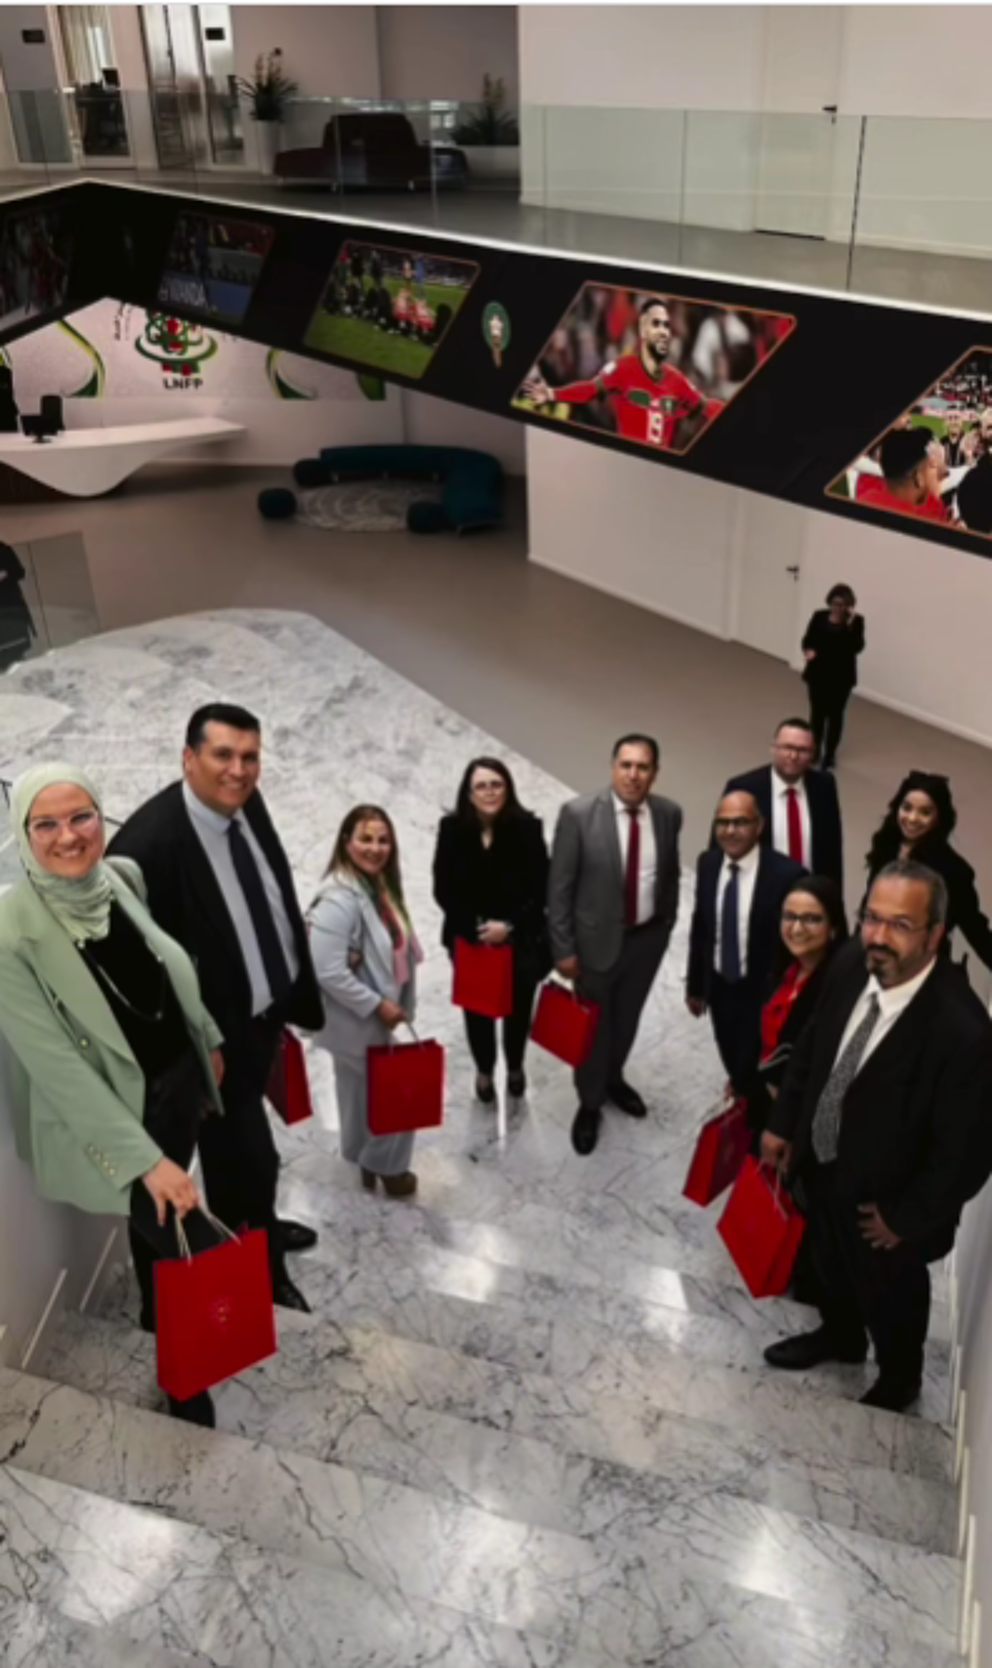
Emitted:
pixel 826 1118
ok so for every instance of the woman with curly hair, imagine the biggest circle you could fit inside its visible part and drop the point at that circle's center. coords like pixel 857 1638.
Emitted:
pixel 919 822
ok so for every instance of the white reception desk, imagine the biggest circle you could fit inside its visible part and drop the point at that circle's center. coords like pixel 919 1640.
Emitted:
pixel 82 463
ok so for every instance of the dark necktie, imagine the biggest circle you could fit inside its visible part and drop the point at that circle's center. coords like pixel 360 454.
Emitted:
pixel 730 936
pixel 795 825
pixel 632 874
pixel 826 1118
pixel 262 918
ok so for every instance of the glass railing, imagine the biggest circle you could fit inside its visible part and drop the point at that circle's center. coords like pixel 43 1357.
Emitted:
pixel 46 601
pixel 900 207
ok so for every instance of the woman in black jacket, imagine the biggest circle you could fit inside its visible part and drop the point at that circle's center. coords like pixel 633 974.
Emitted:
pixel 834 638
pixel 919 822
pixel 813 927
pixel 491 882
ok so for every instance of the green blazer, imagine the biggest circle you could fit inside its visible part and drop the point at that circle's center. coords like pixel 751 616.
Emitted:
pixel 78 1093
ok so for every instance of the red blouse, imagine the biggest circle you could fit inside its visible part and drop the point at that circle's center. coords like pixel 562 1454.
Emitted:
pixel 776 1010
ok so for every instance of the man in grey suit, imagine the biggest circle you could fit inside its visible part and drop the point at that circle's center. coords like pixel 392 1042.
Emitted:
pixel 612 903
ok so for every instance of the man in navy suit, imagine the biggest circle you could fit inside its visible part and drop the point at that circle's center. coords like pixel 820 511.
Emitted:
pixel 735 934
pixel 799 805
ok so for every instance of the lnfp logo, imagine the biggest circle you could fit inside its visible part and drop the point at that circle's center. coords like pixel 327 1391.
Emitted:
pixel 180 348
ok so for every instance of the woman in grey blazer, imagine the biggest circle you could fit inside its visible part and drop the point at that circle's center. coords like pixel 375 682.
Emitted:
pixel 365 953
pixel 114 1056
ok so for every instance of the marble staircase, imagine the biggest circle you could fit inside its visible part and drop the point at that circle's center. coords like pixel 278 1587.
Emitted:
pixel 520 1428
pixel 528 1424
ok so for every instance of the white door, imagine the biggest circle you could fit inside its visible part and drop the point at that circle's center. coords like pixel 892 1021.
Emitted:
pixel 767 570
pixel 797 126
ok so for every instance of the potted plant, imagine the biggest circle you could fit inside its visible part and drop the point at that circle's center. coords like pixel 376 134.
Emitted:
pixel 268 91
pixel 491 132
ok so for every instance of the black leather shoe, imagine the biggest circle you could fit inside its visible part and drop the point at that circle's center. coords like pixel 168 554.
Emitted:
pixel 296 1236
pixel 485 1090
pixel 895 1394
pixel 585 1130
pixel 516 1085
pixel 287 1296
pixel 626 1099
pixel 196 1410
pixel 810 1349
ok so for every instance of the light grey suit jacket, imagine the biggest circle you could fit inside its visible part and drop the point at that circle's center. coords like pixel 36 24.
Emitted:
pixel 586 889
pixel 345 926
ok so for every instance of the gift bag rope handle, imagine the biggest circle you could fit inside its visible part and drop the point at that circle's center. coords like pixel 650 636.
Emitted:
pixel 777 1197
pixel 569 989
pixel 214 1222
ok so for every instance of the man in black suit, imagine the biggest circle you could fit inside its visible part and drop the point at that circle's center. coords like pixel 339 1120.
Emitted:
pixel 798 805
pixel 219 881
pixel 735 935
pixel 884 1121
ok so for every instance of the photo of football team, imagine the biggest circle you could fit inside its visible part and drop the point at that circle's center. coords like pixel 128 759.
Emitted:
pixel 34 265
pixel 656 370
pixel 935 462
pixel 389 308
pixel 213 264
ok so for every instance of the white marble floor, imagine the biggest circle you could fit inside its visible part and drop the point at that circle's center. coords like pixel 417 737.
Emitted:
pixel 528 1424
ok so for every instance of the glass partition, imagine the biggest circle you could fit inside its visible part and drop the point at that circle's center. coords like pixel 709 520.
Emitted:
pixel 46 597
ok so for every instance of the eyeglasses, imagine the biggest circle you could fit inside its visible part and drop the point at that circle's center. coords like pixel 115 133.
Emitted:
pixel 789 747
pixel 905 928
pixel 732 824
pixel 80 822
pixel 790 920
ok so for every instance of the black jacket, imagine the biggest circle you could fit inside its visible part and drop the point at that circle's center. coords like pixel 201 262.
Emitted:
pixel 964 910
pixel 509 882
pixel 835 669
pixel 916 1129
pixel 771 1074
pixel 776 874
pixel 824 815
pixel 185 899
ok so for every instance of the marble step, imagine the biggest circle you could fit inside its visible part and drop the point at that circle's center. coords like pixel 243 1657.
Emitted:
pixel 536 1324
pixel 472 1432
pixel 35 1637
pixel 546 1243
pixel 604 1218
pixel 304 1545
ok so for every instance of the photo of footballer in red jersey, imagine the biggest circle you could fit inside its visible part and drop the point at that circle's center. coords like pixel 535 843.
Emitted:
pixel 935 461
pixel 655 370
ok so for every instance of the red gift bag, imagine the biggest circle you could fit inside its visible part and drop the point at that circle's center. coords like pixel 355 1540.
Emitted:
pixel 288 1089
pixel 762 1229
pixel 214 1312
pixel 564 1024
pixel 483 978
pixel 405 1087
pixel 720 1152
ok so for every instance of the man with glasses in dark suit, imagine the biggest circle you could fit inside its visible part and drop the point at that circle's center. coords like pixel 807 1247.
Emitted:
pixel 799 805
pixel 883 1125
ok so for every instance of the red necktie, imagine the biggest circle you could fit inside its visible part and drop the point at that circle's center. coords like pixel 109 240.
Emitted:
pixel 795 826
pixel 633 871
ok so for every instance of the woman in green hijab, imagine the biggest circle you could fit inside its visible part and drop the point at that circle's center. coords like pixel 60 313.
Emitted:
pixel 115 1057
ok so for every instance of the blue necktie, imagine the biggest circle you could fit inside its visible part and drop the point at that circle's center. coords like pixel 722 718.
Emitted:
pixel 730 941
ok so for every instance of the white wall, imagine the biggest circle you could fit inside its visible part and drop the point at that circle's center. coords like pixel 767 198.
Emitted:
pixel 327 49
pixel 443 52
pixel 431 422
pixel 691 549
pixel 37 1241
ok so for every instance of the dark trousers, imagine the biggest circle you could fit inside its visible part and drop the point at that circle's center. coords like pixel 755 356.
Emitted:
pixel 173 1109
pixel 826 715
pixel 237 1151
pixel 883 1293
pixel 620 993
pixel 735 1010
pixel 481 1032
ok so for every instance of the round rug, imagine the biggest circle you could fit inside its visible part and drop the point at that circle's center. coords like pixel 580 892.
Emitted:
pixel 364 506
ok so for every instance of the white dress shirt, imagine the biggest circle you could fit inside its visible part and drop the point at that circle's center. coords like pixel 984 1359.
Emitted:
pixel 647 876
pixel 212 830
pixel 748 867
pixel 891 1004
pixel 780 819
